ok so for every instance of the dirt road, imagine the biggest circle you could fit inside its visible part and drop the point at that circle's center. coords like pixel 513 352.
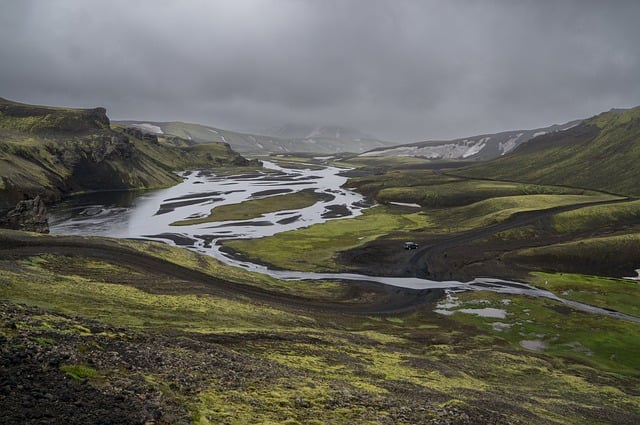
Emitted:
pixel 464 255
pixel 357 297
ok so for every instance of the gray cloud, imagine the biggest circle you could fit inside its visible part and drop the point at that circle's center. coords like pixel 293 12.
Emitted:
pixel 401 70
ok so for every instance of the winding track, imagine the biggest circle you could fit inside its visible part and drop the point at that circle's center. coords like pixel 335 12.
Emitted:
pixel 388 299
pixel 424 254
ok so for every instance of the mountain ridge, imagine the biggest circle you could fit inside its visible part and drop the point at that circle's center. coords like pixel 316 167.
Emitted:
pixel 479 147
pixel 284 140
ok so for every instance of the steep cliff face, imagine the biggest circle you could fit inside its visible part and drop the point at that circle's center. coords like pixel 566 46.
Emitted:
pixel 49 152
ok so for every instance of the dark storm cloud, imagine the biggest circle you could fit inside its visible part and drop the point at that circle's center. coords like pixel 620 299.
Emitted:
pixel 402 70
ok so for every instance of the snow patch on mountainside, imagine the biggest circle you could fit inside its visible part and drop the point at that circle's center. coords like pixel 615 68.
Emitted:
pixel 510 144
pixel 482 147
pixel 476 147
pixel 463 149
pixel 149 128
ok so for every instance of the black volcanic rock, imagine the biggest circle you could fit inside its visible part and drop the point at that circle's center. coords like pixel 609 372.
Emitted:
pixel 30 215
pixel 142 135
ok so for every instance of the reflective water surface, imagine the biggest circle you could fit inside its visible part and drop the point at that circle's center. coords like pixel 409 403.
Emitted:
pixel 149 214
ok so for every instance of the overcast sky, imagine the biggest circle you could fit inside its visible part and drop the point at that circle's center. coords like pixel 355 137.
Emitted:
pixel 400 70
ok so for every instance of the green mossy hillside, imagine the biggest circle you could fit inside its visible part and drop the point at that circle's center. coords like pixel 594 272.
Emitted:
pixel 43 119
pixel 433 189
pixel 602 153
pixel 55 151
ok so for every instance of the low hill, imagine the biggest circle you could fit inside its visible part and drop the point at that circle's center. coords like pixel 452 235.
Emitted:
pixel 287 139
pixel 601 153
pixel 49 151
pixel 479 148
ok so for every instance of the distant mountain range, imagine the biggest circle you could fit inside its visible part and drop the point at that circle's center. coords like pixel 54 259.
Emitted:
pixel 478 148
pixel 50 151
pixel 286 139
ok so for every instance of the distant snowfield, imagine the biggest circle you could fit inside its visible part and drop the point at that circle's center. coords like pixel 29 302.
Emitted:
pixel 463 149
pixel 149 127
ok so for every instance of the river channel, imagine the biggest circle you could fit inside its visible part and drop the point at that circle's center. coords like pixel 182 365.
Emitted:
pixel 149 215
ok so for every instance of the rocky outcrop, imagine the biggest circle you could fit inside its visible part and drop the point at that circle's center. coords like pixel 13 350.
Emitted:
pixel 98 147
pixel 142 135
pixel 43 119
pixel 30 215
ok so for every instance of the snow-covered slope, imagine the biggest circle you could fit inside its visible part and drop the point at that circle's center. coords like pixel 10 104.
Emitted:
pixel 483 147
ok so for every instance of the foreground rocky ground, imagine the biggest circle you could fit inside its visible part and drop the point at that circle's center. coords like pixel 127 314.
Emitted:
pixel 40 383
pixel 42 380
pixel 89 335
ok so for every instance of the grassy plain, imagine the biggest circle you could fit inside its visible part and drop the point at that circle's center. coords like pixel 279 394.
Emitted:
pixel 605 343
pixel 608 216
pixel 313 248
pixel 433 189
pixel 497 210
pixel 607 255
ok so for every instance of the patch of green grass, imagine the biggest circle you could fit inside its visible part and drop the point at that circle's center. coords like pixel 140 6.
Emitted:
pixel 400 179
pixel 383 162
pixel 103 272
pixel 616 294
pixel 123 305
pixel 518 233
pixel 597 217
pixel 45 341
pixel 497 210
pixel 294 162
pixel 313 248
pixel 448 192
pixel 255 208
pixel 601 253
pixel 436 190
pixel 596 340
pixel 79 372
pixel 299 401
